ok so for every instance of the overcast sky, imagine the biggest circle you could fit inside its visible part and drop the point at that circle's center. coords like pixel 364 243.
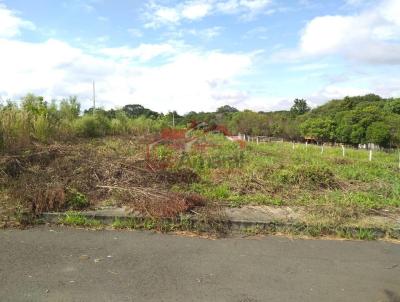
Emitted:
pixel 199 55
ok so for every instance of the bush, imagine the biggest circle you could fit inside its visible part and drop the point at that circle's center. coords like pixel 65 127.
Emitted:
pixel 309 176
pixel 143 125
pixel 92 126
pixel 76 200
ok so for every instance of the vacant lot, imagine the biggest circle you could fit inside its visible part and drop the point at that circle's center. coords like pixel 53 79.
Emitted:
pixel 202 172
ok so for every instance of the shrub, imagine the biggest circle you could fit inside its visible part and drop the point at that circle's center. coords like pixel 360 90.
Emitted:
pixel 92 126
pixel 76 200
pixel 120 124
pixel 309 176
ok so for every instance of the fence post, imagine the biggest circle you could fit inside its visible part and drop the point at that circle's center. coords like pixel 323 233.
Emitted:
pixel 322 149
pixel 257 140
pixel 293 149
pixel 343 151
pixel 307 145
pixel 370 154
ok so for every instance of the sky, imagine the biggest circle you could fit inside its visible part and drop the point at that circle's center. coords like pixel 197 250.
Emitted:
pixel 194 55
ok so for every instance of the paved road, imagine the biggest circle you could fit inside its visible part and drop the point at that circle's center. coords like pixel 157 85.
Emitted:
pixel 63 264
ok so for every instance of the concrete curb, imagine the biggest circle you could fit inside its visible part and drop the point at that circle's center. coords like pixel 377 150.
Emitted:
pixel 236 225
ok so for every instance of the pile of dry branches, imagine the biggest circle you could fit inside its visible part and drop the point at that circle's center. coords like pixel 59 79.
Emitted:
pixel 42 179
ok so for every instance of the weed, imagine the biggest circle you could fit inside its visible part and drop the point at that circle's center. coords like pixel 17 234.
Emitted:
pixel 78 219
pixel 253 230
pixel 22 215
pixel 76 200
pixel 356 233
pixel 130 223
pixel 309 176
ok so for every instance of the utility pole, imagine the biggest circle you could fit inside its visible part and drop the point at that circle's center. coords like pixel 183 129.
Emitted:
pixel 94 97
pixel 173 119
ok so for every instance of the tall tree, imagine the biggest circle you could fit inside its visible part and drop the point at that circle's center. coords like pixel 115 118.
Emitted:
pixel 227 109
pixel 299 107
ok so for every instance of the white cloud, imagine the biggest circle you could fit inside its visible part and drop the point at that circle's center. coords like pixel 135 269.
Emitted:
pixel 357 84
pixel 354 2
pixel 158 15
pixel 309 67
pixel 254 5
pixel 10 24
pixel 211 32
pixel 234 6
pixel 102 39
pixel 185 79
pixel 144 52
pixel 189 80
pixel 166 14
pixel 204 33
pixel 137 33
pixel 331 92
pixel 373 36
pixel 194 11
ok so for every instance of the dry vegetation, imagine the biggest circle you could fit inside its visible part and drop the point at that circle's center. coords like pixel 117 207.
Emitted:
pixel 117 171
pixel 94 173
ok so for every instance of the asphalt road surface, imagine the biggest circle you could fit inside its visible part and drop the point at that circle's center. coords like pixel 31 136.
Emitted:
pixel 65 264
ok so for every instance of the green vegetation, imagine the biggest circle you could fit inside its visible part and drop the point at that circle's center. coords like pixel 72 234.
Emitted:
pixel 54 158
pixel 76 200
pixel 77 219
pixel 35 120
pixel 352 120
pixel 277 174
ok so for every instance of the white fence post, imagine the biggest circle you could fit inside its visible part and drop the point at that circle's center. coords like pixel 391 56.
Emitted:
pixel 370 155
pixel 307 145
pixel 343 151
pixel 293 149
pixel 322 149
pixel 257 140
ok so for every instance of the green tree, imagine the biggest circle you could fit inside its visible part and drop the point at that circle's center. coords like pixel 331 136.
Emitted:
pixel 138 110
pixel 322 129
pixel 248 122
pixel 70 108
pixel 378 133
pixel 393 106
pixel 34 104
pixel 227 109
pixel 299 107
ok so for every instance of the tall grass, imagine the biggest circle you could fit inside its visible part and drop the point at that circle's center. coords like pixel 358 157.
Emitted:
pixel 36 121
pixel 15 129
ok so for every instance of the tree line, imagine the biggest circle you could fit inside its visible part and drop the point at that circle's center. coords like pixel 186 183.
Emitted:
pixel 351 120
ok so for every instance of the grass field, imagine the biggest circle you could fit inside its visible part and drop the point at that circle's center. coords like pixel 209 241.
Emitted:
pixel 215 171
pixel 277 174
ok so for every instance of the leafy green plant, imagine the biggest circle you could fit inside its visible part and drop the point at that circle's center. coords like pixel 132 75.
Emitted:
pixel 76 200
pixel 78 219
